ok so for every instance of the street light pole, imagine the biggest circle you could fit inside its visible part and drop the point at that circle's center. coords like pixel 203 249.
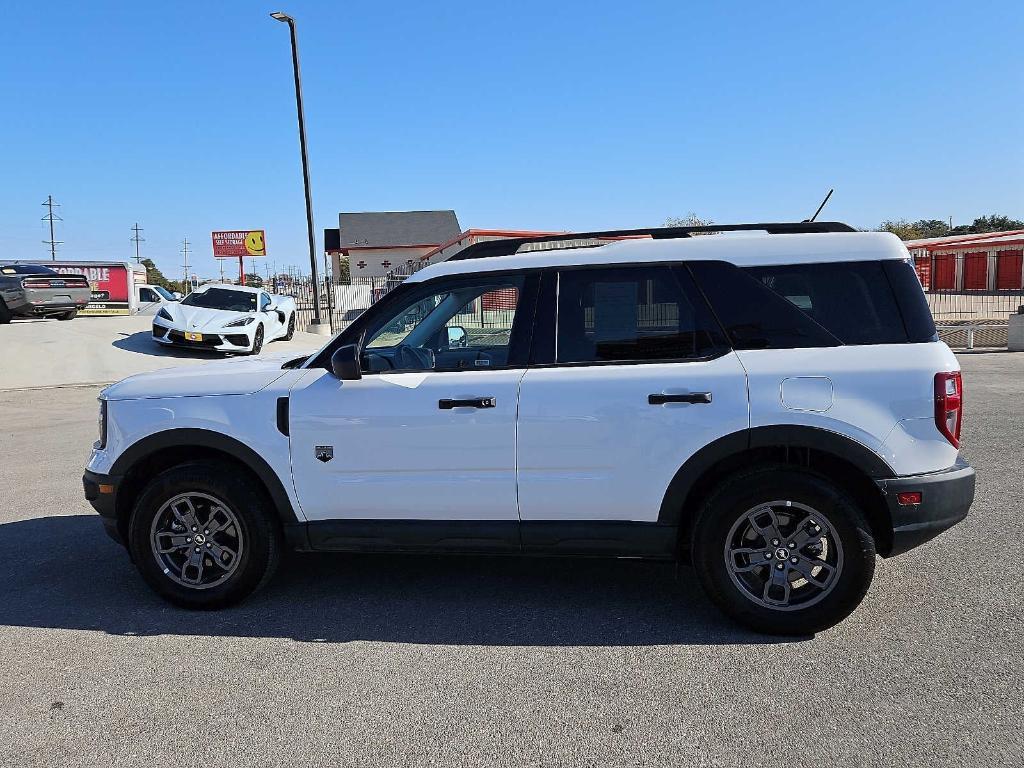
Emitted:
pixel 283 17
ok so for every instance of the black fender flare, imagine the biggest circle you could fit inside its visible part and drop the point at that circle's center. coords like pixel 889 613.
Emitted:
pixel 204 438
pixel 781 435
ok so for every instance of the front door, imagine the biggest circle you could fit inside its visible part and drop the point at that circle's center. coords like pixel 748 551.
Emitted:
pixel 428 432
pixel 641 379
pixel 149 302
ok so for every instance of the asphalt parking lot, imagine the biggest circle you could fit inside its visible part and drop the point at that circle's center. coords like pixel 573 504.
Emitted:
pixel 470 661
pixel 37 352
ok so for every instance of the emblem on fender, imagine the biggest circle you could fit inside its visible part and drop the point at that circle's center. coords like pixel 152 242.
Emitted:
pixel 324 453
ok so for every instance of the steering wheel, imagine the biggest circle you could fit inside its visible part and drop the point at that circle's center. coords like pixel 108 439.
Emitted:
pixel 409 358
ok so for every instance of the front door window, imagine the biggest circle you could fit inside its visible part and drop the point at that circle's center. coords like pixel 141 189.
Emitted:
pixel 454 327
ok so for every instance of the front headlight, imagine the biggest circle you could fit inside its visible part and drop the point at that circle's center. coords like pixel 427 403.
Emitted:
pixel 102 423
pixel 163 314
pixel 240 322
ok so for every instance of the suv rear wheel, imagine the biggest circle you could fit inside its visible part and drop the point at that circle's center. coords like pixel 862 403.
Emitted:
pixel 783 551
pixel 202 537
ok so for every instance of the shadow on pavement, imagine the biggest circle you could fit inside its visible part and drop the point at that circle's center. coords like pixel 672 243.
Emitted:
pixel 142 343
pixel 63 572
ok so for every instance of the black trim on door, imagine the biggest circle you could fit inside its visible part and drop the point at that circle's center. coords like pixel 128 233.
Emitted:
pixel 554 537
pixel 658 398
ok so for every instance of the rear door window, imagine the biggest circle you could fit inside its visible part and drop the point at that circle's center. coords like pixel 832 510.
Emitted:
pixel 632 314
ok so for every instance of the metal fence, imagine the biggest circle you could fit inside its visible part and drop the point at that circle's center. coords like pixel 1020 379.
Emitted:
pixel 976 315
pixel 972 294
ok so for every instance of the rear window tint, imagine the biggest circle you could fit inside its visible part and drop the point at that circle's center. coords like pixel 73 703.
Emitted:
pixel 853 300
pixel 631 314
pixel 917 317
pixel 754 316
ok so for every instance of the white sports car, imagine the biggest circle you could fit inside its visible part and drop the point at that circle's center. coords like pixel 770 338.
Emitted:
pixel 228 318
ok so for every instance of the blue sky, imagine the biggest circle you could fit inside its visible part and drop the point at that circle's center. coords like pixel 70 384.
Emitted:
pixel 568 115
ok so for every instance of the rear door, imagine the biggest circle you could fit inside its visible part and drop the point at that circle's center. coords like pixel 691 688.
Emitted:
pixel 635 379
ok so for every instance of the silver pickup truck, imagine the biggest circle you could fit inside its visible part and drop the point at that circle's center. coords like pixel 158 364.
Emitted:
pixel 31 290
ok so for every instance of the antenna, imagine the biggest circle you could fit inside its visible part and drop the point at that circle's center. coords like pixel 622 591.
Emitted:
pixel 184 252
pixel 822 205
pixel 52 217
pixel 137 238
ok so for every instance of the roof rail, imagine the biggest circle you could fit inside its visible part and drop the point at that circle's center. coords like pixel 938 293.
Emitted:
pixel 510 245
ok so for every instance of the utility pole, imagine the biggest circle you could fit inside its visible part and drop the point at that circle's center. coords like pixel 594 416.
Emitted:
pixel 221 269
pixel 52 217
pixel 187 283
pixel 316 322
pixel 137 238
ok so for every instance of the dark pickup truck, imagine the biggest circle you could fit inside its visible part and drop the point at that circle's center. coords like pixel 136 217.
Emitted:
pixel 31 290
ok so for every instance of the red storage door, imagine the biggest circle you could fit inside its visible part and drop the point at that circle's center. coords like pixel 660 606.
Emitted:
pixel 975 271
pixel 923 266
pixel 1008 270
pixel 945 272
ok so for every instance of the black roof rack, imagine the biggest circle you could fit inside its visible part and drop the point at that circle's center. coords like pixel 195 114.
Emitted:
pixel 510 245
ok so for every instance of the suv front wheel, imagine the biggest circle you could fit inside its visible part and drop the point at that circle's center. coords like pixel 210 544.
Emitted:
pixel 202 537
pixel 783 551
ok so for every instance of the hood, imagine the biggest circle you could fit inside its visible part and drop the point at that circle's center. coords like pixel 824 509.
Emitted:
pixel 235 376
pixel 189 318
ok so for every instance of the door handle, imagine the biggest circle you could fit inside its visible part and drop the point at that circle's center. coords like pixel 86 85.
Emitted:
pixel 690 397
pixel 447 404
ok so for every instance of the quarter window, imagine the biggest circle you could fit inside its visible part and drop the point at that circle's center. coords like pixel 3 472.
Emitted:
pixel 852 299
pixel 627 314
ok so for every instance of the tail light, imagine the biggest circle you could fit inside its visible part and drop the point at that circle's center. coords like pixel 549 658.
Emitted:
pixel 949 405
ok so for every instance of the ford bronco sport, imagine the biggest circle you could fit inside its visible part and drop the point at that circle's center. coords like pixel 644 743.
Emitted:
pixel 770 403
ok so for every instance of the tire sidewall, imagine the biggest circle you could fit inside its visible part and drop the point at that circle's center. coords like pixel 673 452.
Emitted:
pixel 257 336
pixel 746 491
pixel 261 544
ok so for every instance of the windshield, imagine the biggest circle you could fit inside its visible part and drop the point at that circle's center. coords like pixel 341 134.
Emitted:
pixel 222 298
pixel 164 292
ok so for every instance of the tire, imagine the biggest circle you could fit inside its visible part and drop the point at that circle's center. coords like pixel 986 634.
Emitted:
pixel 5 313
pixel 68 315
pixel 257 340
pixel 736 555
pixel 291 328
pixel 185 497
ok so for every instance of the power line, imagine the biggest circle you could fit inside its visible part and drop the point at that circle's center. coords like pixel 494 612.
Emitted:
pixel 52 217
pixel 136 238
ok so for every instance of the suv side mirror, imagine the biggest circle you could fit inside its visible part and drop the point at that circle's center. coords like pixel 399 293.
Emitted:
pixel 345 363
pixel 456 337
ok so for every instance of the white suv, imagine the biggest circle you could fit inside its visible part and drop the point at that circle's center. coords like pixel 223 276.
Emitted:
pixel 773 406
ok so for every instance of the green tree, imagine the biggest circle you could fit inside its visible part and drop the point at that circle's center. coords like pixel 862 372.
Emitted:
pixel 689 220
pixel 992 223
pixel 154 276
pixel 915 230
pixel 251 279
